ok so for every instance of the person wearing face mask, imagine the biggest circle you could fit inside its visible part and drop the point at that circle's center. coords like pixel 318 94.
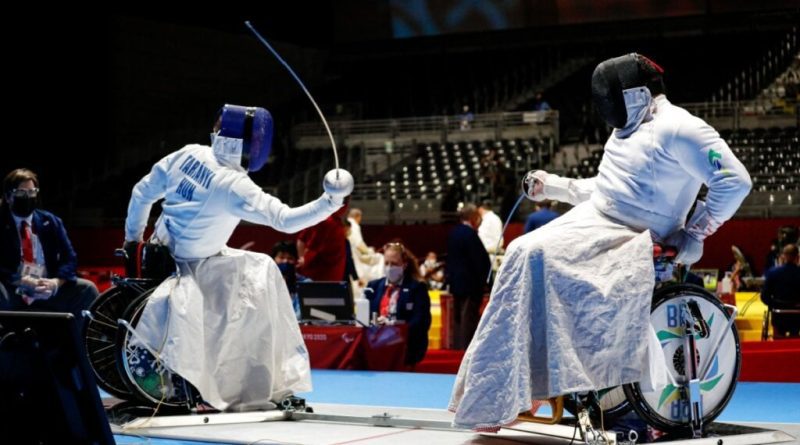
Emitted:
pixel 285 255
pixel 402 295
pixel 225 322
pixel 38 263
pixel 571 301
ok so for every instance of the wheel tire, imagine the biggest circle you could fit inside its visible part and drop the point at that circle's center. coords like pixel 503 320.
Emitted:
pixel 139 393
pixel 100 334
pixel 639 400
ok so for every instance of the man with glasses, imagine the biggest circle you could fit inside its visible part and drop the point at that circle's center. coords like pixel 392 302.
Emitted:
pixel 38 264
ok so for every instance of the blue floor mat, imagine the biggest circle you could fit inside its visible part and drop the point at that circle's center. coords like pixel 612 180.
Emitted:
pixel 752 402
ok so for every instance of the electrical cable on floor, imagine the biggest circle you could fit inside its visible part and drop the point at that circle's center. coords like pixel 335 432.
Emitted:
pixel 574 432
pixel 273 441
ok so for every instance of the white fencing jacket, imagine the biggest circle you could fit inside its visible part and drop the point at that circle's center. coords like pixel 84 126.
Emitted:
pixel 225 323
pixel 204 200
pixel 650 179
pixel 570 306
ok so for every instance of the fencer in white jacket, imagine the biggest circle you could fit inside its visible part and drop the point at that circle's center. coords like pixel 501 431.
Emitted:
pixel 225 323
pixel 569 310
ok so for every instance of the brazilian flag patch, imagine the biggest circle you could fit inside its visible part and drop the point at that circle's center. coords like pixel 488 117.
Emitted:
pixel 713 159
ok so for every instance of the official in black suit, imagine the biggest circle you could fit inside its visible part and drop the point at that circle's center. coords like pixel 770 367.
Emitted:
pixel 467 268
pixel 782 291
pixel 402 295
pixel 37 262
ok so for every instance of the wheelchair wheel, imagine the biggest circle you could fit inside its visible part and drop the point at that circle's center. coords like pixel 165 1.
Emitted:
pixel 667 408
pixel 100 333
pixel 147 379
pixel 610 402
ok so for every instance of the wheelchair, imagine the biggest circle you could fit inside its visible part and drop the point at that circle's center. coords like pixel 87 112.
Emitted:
pixel 123 367
pixel 701 346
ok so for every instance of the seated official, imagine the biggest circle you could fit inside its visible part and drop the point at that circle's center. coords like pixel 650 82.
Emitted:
pixel 401 295
pixel 37 262
pixel 285 255
pixel 782 291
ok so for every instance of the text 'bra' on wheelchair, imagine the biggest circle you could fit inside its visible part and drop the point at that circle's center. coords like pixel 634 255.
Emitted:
pixel 700 343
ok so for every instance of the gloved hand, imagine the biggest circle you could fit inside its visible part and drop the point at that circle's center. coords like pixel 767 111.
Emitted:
pixel 339 187
pixel 690 249
pixel 130 248
pixel 533 185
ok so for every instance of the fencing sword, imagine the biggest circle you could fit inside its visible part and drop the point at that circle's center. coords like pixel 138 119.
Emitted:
pixel 302 85
pixel 503 233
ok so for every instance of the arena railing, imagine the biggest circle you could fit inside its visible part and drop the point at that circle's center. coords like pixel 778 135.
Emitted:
pixel 444 123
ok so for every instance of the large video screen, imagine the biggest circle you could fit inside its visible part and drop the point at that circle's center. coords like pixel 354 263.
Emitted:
pixel 416 18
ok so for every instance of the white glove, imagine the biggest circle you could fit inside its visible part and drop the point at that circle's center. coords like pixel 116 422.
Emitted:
pixel 689 240
pixel 690 249
pixel 701 224
pixel 338 184
pixel 533 185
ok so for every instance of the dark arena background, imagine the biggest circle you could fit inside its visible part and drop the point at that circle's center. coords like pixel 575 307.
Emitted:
pixel 92 102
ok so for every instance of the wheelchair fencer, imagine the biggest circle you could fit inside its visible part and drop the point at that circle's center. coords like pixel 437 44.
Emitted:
pixel 689 322
pixel 123 367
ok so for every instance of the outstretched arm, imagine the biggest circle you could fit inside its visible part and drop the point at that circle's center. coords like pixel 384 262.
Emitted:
pixel 247 201
pixel 539 185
